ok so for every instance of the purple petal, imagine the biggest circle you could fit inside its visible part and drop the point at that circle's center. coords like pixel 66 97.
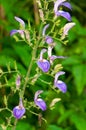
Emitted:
pixel 18 112
pixel 48 40
pixel 41 104
pixel 37 94
pixel 67 27
pixel 67 4
pixel 21 32
pixel 61 85
pixel 41 53
pixel 64 14
pixel 58 74
pixel 53 57
pixel 57 4
pixel 44 65
pixel 20 21
pixel 44 29
pixel 13 32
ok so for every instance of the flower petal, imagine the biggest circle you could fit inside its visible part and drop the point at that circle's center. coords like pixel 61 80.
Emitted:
pixel 64 14
pixel 67 27
pixel 44 65
pixel 20 21
pixel 37 94
pixel 67 4
pixel 48 40
pixel 44 29
pixel 21 32
pixel 53 57
pixel 18 112
pixel 13 32
pixel 61 85
pixel 41 53
pixel 41 104
pixel 57 4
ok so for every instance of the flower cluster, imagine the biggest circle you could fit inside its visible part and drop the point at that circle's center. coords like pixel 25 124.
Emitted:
pixel 44 64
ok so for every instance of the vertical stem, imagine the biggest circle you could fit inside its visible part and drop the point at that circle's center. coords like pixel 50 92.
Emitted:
pixel 36 13
pixel 29 68
pixel 15 123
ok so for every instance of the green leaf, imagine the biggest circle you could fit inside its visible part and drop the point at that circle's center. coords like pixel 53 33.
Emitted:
pixel 79 121
pixel 8 61
pixel 79 72
pixel 22 125
pixel 54 127
pixel 23 53
pixel 64 116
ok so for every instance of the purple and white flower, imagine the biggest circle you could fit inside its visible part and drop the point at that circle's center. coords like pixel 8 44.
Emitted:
pixel 48 39
pixel 19 110
pixel 39 102
pixel 62 13
pixel 43 64
pixel 53 57
pixel 20 31
pixel 60 84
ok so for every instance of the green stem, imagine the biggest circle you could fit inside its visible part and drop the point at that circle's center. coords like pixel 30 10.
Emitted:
pixel 29 68
pixel 15 123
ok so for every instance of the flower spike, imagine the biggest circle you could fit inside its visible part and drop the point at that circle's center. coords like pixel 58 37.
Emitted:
pixel 60 84
pixel 39 102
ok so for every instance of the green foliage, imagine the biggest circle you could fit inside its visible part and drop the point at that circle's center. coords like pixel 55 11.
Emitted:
pixel 70 112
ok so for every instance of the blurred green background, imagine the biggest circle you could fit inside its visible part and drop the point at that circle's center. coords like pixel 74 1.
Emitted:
pixel 70 112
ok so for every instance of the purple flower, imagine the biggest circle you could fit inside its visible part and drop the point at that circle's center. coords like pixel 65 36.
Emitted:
pixel 22 26
pixel 43 64
pixel 58 12
pixel 60 84
pixel 38 101
pixel 19 110
pixel 67 4
pixel 48 39
pixel 53 57
pixel 14 31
